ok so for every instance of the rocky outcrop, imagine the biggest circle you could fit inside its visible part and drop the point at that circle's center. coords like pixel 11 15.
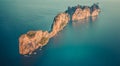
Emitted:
pixel 83 12
pixel 95 10
pixel 60 21
pixel 33 40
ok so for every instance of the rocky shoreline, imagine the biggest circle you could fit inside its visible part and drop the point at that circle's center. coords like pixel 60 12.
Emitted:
pixel 33 40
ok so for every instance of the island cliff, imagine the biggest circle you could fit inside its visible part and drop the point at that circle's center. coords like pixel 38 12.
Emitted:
pixel 33 40
pixel 82 12
pixel 60 21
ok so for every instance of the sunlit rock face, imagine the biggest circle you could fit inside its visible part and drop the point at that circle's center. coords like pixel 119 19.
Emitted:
pixel 32 40
pixel 60 21
pixel 95 10
pixel 78 14
pixel 86 11
pixel 83 12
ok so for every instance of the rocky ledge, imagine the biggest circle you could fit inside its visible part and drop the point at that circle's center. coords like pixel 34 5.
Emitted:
pixel 33 40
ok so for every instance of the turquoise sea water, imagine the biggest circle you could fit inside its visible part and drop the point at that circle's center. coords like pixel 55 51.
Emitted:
pixel 93 43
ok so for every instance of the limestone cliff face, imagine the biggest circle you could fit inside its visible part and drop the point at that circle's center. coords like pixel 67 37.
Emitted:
pixel 95 10
pixel 95 13
pixel 32 40
pixel 81 13
pixel 85 12
pixel 60 21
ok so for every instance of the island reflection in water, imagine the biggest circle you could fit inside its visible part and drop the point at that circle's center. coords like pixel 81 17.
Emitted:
pixel 87 21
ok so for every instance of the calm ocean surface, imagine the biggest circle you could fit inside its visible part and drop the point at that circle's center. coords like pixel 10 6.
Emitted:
pixel 93 43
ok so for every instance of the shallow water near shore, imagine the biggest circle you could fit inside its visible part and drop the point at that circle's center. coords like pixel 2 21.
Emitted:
pixel 83 43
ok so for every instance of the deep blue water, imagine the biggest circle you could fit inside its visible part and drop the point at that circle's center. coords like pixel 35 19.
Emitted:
pixel 93 43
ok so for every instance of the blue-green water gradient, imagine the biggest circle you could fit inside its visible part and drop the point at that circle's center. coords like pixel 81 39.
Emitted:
pixel 93 43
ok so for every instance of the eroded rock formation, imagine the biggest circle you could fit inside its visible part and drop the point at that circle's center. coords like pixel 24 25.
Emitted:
pixel 95 10
pixel 60 21
pixel 82 12
pixel 32 40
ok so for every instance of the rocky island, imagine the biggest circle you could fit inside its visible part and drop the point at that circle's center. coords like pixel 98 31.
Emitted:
pixel 33 40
